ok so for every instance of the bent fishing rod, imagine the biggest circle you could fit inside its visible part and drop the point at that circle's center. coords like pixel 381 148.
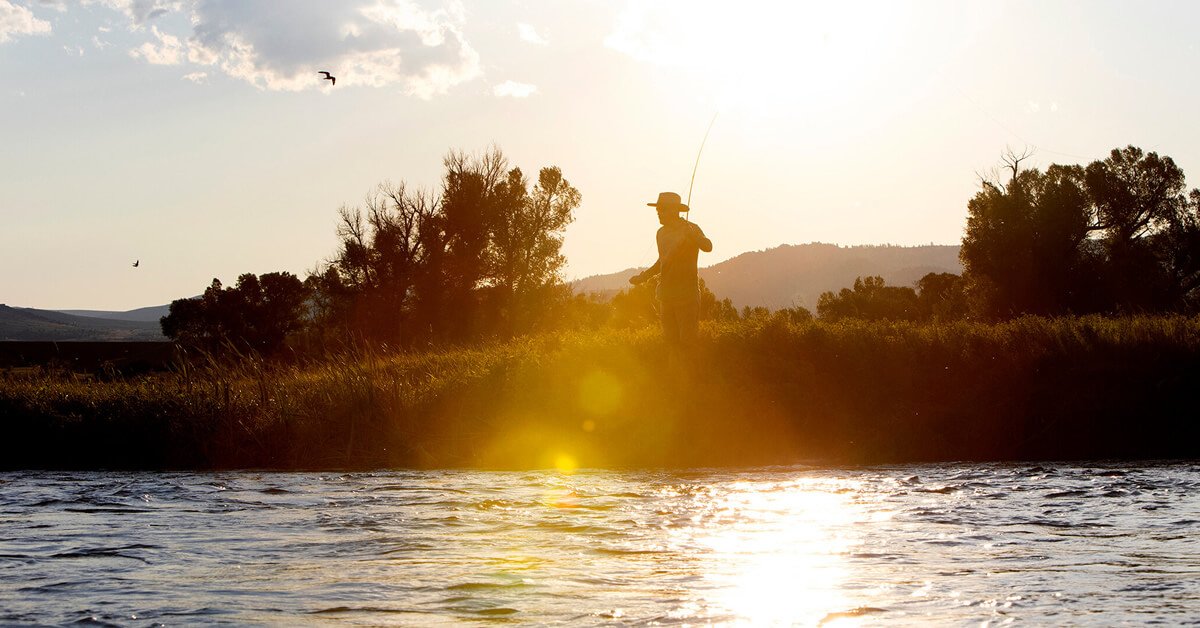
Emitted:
pixel 688 212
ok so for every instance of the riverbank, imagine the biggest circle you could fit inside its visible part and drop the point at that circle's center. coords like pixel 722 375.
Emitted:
pixel 764 391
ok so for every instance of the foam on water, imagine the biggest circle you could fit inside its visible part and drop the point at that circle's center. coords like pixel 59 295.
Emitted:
pixel 1100 544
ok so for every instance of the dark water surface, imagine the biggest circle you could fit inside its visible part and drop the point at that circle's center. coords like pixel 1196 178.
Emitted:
pixel 908 545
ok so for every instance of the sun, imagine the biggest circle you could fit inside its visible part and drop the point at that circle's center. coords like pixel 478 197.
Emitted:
pixel 763 56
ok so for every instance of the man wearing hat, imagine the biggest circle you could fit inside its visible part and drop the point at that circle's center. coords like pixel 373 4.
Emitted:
pixel 679 244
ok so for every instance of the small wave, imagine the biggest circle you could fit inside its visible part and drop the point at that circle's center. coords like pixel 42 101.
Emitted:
pixel 608 551
pixel 92 620
pixel 854 612
pixel 109 510
pixel 337 610
pixel 485 586
pixel 1070 493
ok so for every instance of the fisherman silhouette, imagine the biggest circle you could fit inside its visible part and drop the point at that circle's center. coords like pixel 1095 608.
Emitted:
pixel 328 77
pixel 679 245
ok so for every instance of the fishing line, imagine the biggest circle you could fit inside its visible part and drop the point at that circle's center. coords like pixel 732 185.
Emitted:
pixel 688 212
pixel 696 166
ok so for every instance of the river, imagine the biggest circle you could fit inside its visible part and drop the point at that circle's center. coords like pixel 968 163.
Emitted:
pixel 948 544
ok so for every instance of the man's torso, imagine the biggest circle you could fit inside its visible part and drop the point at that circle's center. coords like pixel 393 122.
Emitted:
pixel 677 254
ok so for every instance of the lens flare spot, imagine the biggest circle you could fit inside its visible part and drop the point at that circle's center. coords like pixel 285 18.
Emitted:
pixel 600 393
pixel 565 463
pixel 589 425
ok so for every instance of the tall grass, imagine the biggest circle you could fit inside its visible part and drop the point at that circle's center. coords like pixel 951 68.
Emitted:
pixel 756 392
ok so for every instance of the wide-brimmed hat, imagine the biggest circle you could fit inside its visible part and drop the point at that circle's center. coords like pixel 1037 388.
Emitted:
pixel 669 200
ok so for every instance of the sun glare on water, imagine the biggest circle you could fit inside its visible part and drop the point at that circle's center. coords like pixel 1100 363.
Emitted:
pixel 772 556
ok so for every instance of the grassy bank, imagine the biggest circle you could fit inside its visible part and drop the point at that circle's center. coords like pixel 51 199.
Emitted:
pixel 763 392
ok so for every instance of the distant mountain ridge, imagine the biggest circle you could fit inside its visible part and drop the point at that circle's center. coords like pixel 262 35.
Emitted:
pixel 28 324
pixel 150 314
pixel 790 274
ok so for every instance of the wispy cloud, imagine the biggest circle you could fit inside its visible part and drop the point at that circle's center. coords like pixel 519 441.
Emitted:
pixel 168 51
pixel 513 89
pixel 529 34
pixel 281 44
pixel 196 77
pixel 17 20
pixel 141 11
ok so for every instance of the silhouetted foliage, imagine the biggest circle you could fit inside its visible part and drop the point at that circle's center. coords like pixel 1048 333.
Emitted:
pixel 480 258
pixel 257 314
pixel 1119 235
pixel 942 297
pixel 870 299
pixel 637 306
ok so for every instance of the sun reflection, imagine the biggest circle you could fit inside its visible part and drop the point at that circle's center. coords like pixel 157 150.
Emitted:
pixel 776 552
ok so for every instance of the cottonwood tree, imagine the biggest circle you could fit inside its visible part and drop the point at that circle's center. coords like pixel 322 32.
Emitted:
pixel 1118 235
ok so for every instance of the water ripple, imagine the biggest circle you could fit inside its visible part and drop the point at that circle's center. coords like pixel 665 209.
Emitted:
pixel 895 545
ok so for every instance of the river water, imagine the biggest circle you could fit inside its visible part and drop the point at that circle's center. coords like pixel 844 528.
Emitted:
pixel 904 545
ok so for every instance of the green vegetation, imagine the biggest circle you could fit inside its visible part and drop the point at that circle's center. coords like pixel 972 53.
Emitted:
pixel 1121 235
pixel 441 334
pixel 766 390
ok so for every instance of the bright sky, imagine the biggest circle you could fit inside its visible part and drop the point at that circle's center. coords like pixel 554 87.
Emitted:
pixel 196 136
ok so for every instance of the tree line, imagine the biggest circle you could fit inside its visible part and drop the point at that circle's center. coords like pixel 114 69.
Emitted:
pixel 1118 236
pixel 480 257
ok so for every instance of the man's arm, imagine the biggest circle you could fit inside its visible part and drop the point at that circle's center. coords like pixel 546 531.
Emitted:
pixel 646 274
pixel 702 241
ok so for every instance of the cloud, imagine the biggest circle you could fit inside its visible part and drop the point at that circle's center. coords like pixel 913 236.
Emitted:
pixel 513 89
pixel 17 20
pixel 169 50
pixel 197 77
pixel 74 50
pixel 141 11
pixel 529 34
pixel 282 44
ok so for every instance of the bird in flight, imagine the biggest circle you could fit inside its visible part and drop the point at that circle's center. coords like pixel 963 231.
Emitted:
pixel 136 263
pixel 328 77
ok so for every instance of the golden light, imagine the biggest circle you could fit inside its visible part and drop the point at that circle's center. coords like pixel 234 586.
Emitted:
pixel 775 553
pixel 763 55
pixel 600 394
pixel 565 463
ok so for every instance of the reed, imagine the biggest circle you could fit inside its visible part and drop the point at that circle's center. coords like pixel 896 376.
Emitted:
pixel 759 391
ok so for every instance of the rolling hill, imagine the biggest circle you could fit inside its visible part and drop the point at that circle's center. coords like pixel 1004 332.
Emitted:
pixel 143 314
pixel 18 323
pixel 797 274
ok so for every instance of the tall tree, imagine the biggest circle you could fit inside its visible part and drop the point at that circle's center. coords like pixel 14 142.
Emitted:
pixel 1118 235
pixel 1136 195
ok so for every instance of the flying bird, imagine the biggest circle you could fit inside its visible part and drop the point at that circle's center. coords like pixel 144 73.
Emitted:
pixel 136 263
pixel 328 77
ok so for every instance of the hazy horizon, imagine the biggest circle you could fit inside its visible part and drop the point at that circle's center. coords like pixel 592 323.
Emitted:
pixel 196 136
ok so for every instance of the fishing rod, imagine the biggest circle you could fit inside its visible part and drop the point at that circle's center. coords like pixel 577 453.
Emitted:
pixel 688 212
